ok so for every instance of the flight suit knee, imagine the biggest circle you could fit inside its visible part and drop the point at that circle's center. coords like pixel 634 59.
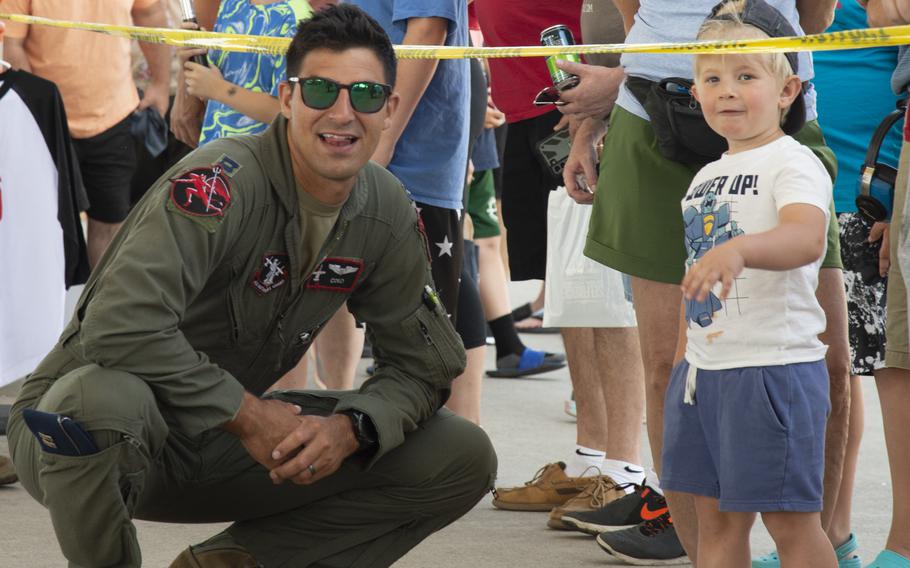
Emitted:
pixel 91 498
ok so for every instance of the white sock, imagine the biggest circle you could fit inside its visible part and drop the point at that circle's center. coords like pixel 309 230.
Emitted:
pixel 652 481
pixel 584 462
pixel 623 472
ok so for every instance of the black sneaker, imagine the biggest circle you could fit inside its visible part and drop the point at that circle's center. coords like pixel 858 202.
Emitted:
pixel 644 504
pixel 652 543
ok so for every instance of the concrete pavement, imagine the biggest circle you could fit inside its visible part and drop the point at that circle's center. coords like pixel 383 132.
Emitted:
pixel 525 420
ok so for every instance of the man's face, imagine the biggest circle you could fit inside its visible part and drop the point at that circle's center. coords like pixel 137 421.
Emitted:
pixel 333 144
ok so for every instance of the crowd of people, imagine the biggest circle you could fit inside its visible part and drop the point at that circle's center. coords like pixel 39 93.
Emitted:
pixel 248 215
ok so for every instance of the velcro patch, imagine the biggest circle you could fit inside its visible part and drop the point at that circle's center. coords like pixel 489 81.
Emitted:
pixel 336 274
pixel 272 273
pixel 202 194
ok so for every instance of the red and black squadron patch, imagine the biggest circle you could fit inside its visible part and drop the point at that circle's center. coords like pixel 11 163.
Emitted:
pixel 273 272
pixel 336 274
pixel 201 193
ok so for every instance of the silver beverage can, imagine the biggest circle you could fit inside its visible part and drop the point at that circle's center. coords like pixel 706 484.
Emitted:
pixel 560 34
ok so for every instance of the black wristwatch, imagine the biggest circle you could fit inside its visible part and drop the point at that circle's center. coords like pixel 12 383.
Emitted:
pixel 364 431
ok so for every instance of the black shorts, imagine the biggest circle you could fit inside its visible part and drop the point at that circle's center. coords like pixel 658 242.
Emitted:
pixel 446 243
pixel 526 188
pixel 107 162
pixel 865 302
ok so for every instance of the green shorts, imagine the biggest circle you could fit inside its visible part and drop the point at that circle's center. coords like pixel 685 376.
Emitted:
pixel 482 205
pixel 897 329
pixel 636 224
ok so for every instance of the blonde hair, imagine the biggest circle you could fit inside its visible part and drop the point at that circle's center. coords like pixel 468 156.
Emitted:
pixel 732 27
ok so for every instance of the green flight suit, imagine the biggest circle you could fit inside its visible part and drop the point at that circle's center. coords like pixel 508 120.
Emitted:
pixel 200 297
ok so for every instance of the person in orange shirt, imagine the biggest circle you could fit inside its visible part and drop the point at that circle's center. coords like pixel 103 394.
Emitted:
pixel 93 73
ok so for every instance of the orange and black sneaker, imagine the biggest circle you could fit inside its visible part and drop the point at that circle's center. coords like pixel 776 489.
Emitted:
pixel 643 504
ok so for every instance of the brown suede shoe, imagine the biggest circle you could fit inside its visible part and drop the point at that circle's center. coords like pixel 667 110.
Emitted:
pixel 220 551
pixel 601 490
pixel 549 488
pixel 7 471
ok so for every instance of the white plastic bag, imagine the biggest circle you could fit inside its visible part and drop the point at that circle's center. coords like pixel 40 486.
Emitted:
pixel 579 291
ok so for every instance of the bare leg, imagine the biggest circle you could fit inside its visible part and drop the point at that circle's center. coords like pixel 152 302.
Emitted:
pixel 338 350
pixel 839 528
pixel 800 540
pixel 894 392
pixel 466 388
pixel 494 290
pixel 591 430
pixel 833 300
pixel 723 537
pixel 623 389
pixel 99 238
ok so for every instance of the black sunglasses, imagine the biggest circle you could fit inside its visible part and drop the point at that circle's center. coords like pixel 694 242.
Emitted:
pixel 321 93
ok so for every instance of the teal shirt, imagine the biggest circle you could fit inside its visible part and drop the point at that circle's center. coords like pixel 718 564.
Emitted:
pixel 259 73
pixel 854 95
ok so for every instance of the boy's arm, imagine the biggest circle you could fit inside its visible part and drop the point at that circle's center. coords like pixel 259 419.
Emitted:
pixel 206 13
pixel 682 335
pixel 208 83
pixel 797 240
pixel 628 9
pixel 815 15
pixel 158 57
pixel 414 75
pixel 887 12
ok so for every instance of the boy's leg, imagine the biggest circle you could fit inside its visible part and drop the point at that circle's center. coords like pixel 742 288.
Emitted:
pixel 894 393
pixel 723 537
pixel 800 540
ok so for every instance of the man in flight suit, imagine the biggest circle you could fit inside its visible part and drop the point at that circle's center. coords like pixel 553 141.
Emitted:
pixel 216 286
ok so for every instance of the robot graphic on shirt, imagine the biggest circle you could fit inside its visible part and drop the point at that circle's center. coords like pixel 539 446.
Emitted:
pixel 707 226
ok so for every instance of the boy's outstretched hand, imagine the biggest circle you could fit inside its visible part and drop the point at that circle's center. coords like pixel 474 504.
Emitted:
pixel 720 264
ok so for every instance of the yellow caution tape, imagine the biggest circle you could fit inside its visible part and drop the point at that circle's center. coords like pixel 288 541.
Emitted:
pixel 851 39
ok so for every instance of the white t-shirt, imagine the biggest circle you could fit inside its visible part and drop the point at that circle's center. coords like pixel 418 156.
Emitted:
pixel 769 317
pixel 32 262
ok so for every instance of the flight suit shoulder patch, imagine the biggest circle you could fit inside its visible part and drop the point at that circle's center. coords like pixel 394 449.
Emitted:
pixel 203 194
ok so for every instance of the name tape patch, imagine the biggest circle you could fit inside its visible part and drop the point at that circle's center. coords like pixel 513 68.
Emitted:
pixel 336 274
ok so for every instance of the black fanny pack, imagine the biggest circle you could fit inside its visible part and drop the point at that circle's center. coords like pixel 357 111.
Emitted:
pixel 677 120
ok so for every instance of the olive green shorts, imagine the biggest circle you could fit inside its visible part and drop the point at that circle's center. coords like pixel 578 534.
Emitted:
pixel 482 205
pixel 897 337
pixel 636 224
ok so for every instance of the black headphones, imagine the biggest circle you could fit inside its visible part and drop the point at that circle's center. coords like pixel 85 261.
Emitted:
pixel 876 181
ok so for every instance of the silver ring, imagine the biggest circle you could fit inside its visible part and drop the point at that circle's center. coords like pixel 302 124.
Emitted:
pixel 312 469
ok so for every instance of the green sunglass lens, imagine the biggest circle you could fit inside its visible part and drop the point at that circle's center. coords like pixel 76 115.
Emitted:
pixel 319 93
pixel 367 97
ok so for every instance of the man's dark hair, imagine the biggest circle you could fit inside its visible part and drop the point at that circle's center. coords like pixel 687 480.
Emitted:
pixel 339 28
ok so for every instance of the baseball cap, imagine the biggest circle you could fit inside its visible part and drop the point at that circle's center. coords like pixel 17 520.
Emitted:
pixel 760 14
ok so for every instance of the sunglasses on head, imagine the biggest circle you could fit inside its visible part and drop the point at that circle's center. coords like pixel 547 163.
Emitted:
pixel 320 93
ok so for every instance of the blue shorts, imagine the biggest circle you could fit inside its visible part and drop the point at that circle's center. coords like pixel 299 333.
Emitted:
pixel 754 439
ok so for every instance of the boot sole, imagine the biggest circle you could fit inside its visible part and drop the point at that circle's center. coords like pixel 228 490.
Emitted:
pixel 536 507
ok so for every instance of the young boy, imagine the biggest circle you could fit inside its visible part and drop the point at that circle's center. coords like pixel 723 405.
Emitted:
pixel 746 409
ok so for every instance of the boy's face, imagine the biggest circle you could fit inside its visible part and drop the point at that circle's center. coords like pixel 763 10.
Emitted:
pixel 741 99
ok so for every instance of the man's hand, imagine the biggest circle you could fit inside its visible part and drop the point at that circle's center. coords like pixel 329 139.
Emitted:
pixel 596 92
pixel 721 264
pixel 155 96
pixel 203 82
pixel 882 231
pixel 580 172
pixel 494 117
pixel 323 443
pixel 261 425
